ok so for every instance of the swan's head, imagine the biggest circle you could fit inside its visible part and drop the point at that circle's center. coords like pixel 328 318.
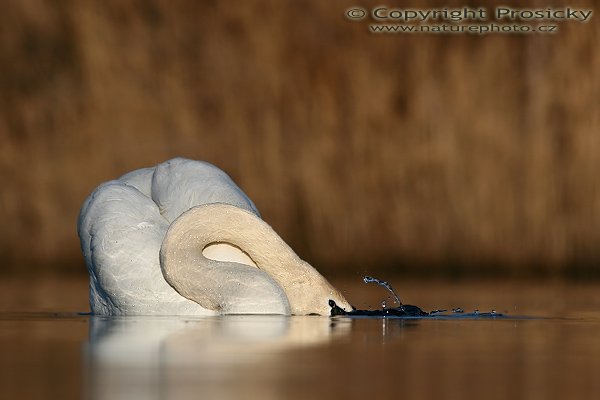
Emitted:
pixel 309 292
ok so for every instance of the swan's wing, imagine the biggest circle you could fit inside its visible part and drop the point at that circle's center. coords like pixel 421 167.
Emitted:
pixel 141 179
pixel 121 232
pixel 180 184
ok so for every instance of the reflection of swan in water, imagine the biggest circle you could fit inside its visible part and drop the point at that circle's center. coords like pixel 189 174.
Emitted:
pixel 217 256
pixel 215 357
pixel 144 340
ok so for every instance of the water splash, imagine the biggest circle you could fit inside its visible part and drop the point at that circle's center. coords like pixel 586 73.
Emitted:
pixel 406 310
pixel 384 303
pixel 370 279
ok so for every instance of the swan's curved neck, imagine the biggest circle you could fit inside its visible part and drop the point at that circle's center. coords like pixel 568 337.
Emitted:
pixel 279 283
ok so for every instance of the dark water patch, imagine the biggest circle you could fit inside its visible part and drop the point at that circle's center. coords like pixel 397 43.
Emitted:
pixel 410 311
pixel 407 310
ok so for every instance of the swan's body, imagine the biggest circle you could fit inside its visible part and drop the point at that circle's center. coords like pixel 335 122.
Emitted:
pixel 183 239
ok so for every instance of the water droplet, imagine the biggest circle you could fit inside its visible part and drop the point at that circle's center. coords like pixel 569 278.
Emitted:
pixel 370 279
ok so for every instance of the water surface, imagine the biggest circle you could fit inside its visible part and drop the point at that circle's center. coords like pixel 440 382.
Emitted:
pixel 51 351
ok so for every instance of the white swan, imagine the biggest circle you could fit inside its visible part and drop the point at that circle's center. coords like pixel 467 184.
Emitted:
pixel 182 239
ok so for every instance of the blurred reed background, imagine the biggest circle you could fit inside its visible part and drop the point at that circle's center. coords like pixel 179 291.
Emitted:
pixel 418 154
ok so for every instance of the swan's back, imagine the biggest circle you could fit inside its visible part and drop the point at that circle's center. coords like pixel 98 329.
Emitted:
pixel 122 225
pixel 180 184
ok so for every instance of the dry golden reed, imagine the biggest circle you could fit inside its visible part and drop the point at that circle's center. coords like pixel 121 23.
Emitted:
pixel 416 153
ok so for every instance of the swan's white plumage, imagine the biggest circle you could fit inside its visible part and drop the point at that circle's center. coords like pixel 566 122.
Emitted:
pixel 124 223
pixel 141 179
pixel 121 235
pixel 180 184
